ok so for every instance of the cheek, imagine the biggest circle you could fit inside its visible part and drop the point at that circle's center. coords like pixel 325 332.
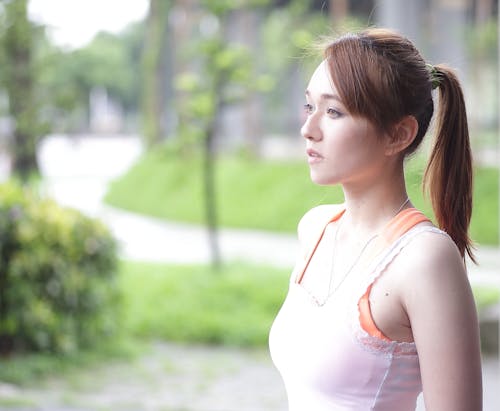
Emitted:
pixel 355 151
pixel 347 143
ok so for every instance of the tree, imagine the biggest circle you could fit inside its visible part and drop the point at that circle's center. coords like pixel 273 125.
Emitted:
pixel 18 79
pixel 338 10
pixel 221 74
pixel 66 78
pixel 154 71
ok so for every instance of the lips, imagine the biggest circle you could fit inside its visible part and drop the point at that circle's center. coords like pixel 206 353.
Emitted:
pixel 313 156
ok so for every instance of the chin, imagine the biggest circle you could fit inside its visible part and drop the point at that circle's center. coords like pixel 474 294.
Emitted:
pixel 322 180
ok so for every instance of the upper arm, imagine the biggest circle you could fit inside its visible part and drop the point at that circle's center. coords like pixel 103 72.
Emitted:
pixel 441 309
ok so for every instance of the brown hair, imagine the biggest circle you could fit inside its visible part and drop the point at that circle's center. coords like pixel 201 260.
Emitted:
pixel 381 76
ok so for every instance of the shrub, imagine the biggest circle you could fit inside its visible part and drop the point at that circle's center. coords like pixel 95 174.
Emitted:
pixel 58 290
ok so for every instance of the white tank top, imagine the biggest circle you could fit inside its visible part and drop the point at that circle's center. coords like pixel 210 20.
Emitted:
pixel 329 363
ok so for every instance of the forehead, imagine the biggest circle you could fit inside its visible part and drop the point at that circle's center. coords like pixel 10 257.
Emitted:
pixel 321 81
pixel 321 87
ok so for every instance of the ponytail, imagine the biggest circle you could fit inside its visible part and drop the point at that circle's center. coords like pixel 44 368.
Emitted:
pixel 448 176
pixel 382 77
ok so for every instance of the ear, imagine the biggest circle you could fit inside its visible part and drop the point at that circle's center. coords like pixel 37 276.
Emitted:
pixel 402 135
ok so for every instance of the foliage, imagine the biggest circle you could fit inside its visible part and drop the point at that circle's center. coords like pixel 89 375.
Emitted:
pixel 223 77
pixel 57 276
pixel 116 75
pixel 224 81
pixel 287 35
pixel 223 7
pixel 49 87
pixel 482 41
pixel 289 52
pixel 67 77
pixel 187 304
pixel 268 195
pixel 224 72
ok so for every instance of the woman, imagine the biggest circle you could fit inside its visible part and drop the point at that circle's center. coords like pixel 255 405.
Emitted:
pixel 380 308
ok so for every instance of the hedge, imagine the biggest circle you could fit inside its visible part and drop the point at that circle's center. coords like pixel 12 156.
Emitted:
pixel 58 285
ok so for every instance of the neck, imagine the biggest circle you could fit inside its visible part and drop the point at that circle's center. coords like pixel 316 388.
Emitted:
pixel 370 207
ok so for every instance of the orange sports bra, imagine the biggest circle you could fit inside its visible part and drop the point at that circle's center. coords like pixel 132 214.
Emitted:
pixel 396 227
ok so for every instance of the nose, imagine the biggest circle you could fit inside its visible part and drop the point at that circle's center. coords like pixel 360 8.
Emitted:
pixel 310 130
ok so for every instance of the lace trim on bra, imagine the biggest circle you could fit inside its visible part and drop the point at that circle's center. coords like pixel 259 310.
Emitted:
pixel 369 342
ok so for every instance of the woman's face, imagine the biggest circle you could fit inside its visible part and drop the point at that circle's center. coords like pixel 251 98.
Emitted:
pixel 341 148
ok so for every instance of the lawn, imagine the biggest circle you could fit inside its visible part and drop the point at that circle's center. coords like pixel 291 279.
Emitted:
pixel 189 304
pixel 192 303
pixel 268 195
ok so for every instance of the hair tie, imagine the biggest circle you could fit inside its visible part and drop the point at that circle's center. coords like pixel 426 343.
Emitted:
pixel 434 75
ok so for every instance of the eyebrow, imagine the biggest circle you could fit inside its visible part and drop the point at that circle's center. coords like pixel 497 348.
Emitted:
pixel 327 96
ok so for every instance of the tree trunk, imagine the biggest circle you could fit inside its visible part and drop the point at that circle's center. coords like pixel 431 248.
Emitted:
pixel 210 197
pixel 402 16
pixel 449 31
pixel 484 11
pixel 338 11
pixel 18 45
pixel 209 178
pixel 154 72
pixel 251 21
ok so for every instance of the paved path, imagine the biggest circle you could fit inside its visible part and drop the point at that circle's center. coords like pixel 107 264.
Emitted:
pixel 76 173
pixel 166 377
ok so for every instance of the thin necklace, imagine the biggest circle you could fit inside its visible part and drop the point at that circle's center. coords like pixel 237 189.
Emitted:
pixel 356 260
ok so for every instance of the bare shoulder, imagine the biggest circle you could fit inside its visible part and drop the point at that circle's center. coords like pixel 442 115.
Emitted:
pixel 437 297
pixel 432 256
pixel 431 265
pixel 313 221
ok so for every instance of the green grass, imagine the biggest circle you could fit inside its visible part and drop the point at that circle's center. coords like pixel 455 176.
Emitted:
pixel 16 402
pixel 484 223
pixel 265 195
pixel 189 304
pixel 235 306
pixel 485 296
pixel 250 193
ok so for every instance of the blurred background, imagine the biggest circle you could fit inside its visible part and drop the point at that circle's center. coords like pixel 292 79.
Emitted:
pixel 153 176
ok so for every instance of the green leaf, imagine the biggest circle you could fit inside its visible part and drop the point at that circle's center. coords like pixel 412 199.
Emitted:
pixel 187 81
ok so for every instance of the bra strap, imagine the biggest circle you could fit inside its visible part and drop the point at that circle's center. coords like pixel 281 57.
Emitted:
pixel 308 260
pixel 399 225
pixel 395 228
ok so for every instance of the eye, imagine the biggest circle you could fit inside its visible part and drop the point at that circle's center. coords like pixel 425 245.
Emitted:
pixel 333 113
pixel 308 108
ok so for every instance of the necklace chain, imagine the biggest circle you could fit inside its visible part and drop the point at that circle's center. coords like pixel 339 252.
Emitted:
pixel 356 260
